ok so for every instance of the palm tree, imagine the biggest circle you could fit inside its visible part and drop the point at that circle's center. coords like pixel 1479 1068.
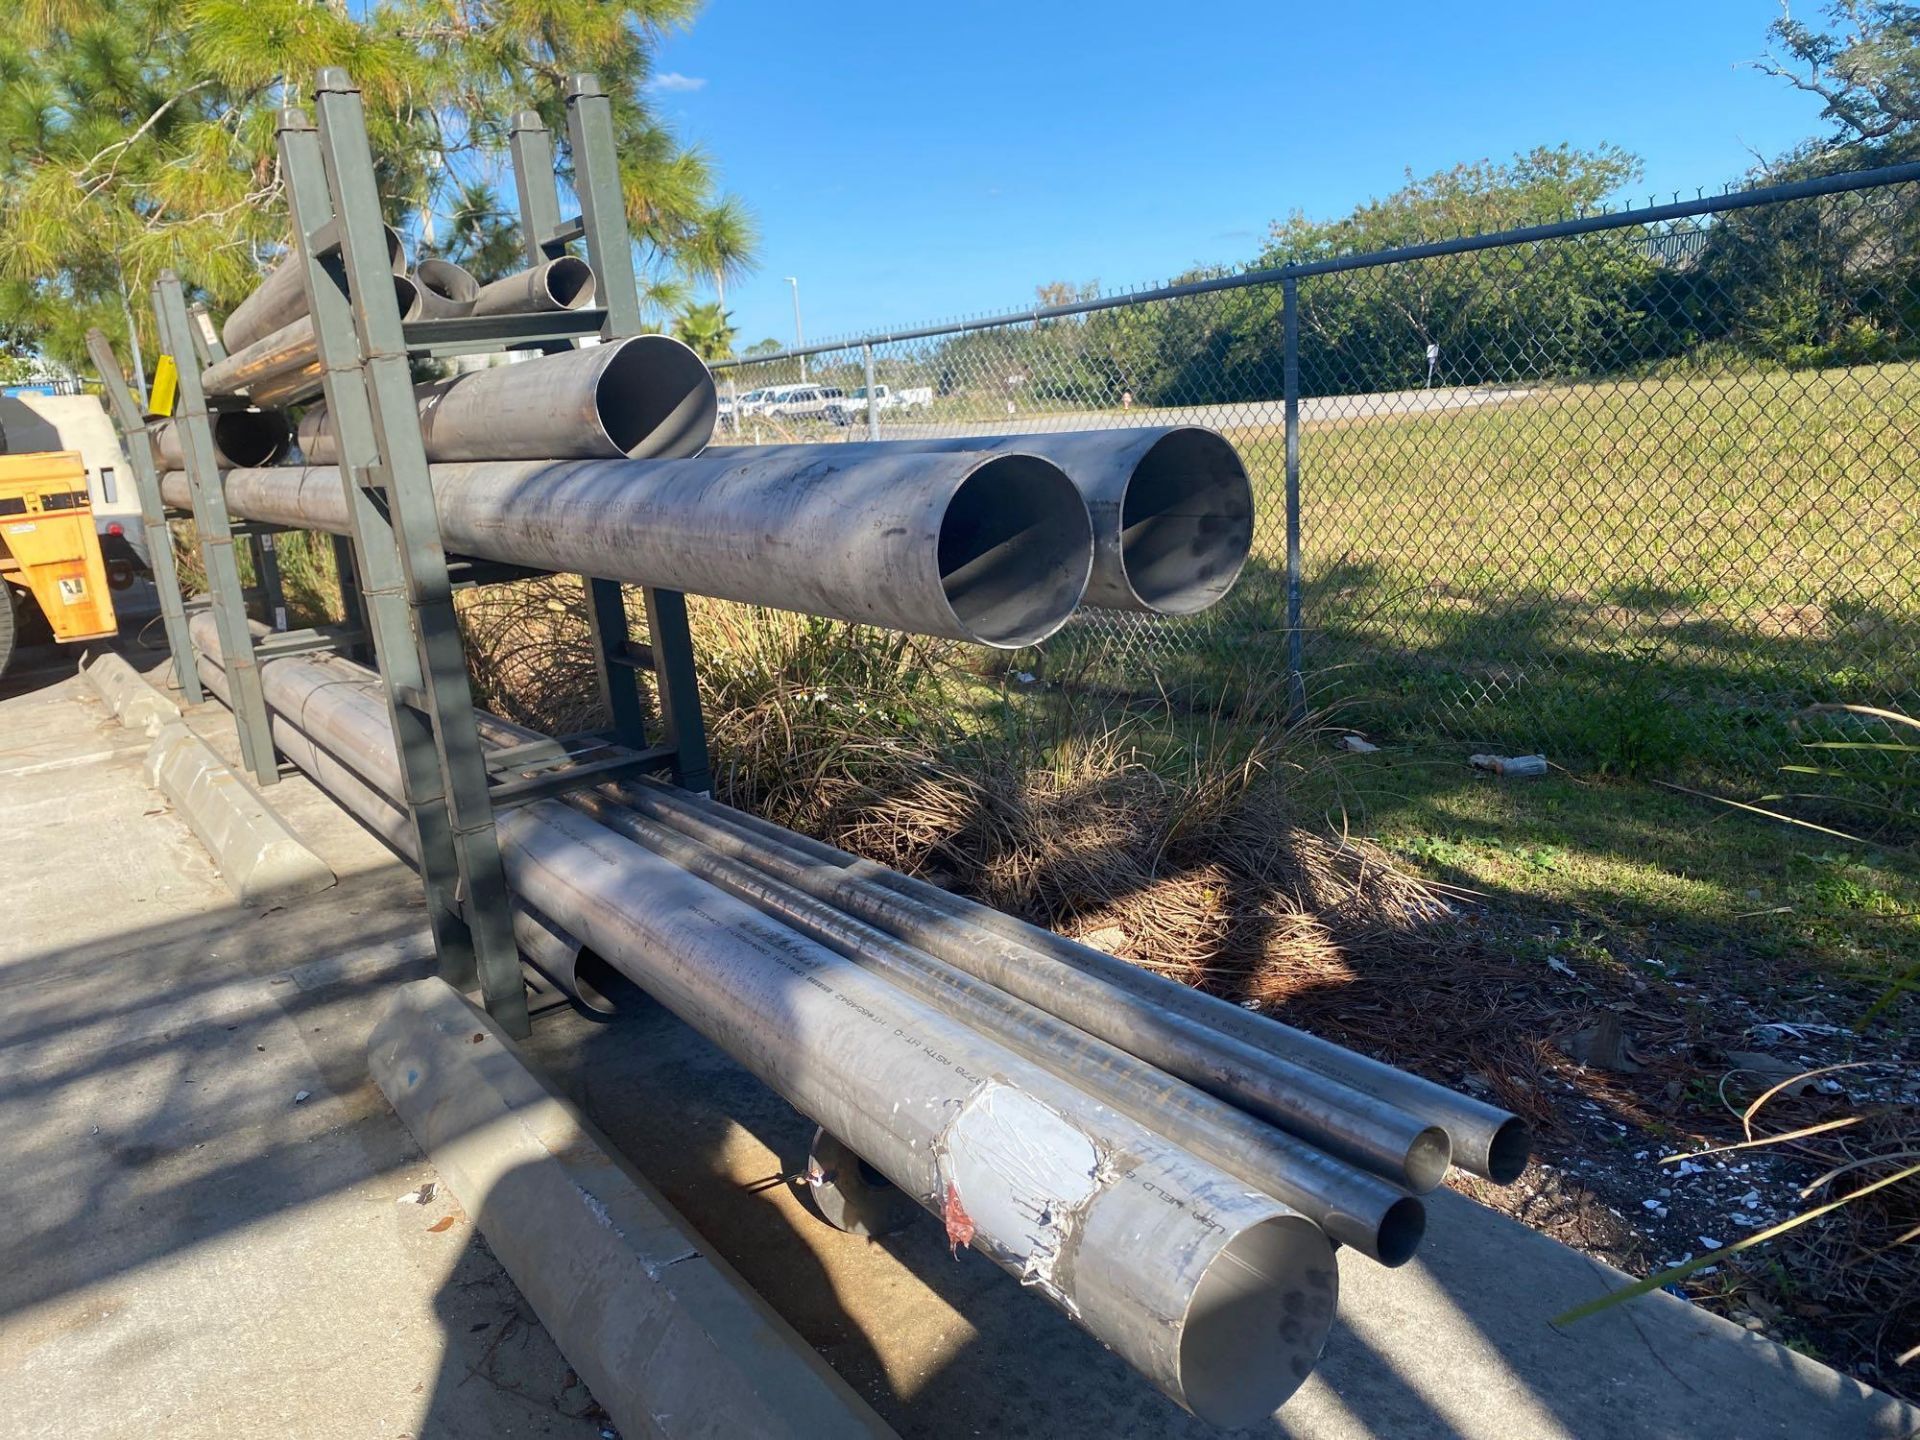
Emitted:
pixel 708 329
pixel 721 244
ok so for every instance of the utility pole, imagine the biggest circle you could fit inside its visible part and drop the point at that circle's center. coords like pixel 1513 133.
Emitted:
pixel 799 338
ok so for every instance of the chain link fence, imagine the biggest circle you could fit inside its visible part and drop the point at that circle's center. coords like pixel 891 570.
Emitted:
pixel 1633 489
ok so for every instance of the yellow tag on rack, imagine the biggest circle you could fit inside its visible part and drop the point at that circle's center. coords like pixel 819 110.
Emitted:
pixel 165 380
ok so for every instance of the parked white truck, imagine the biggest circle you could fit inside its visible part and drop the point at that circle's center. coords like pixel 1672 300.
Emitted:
pixel 853 405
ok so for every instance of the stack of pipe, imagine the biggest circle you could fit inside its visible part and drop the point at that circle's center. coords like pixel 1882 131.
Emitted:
pixel 1171 1171
pixel 1167 1168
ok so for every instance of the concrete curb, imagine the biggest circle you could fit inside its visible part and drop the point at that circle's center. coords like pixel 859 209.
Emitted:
pixel 257 855
pixel 669 1339
pixel 134 703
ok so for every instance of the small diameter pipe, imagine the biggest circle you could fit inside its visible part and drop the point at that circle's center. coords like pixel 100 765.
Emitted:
pixel 284 366
pixel 281 298
pixel 1219 1295
pixel 549 949
pixel 994 549
pixel 447 290
pixel 240 438
pixel 647 397
pixel 563 284
pixel 1172 508
pixel 1331 1116
pixel 1353 1207
pixel 1485 1140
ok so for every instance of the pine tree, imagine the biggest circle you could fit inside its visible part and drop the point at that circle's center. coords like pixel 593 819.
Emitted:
pixel 138 135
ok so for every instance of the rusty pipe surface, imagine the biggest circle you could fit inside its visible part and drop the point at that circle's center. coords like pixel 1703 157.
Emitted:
pixel 447 290
pixel 995 549
pixel 281 298
pixel 1220 1296
pixel 565 283
pixel 240 438
pixel 647 397
pixel 284 366
pixel 1484 1139
pixel 1172 508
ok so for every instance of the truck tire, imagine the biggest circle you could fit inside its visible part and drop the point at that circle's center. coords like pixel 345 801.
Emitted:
pixel 9 625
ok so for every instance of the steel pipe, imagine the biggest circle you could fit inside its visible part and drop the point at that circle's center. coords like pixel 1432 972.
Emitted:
pixel 447 290
pixel 281 298
pixel 563 284
pixel 544 945
pixel 990 548
pixel 1353 1207
pixel 240 438
pixel 1220 1296
pixel 1324 1112
pixel 1172 508
pixel 1484 1139
pixel 284 366
pixel 648 397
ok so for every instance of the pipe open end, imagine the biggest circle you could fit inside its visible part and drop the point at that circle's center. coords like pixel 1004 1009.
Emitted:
pixel 569 283
pixel 450 283
pixel 1186 524
pixel 406 295
pixel 1258 1321
pixel 1427 1159
pixel 656 399
pixel 1015 551
pixel 596 984
pixel 251 437
pixel 396 252
pixel 1509 1151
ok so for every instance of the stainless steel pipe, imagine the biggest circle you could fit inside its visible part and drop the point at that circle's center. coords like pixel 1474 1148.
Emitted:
pixel 284 366
pixel 1485 1139
pixel 548 948
pixel 1328 1114
pixel 1172 508
pixel 240 438
pixel 1352 1206
pixel 647 397
pixel 563 284
pixel 990 548
pixel 281 298
pixel 1220 1296
pixel 447 290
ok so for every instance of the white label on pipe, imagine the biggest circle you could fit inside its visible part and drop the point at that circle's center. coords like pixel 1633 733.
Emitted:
pixel 1017 1173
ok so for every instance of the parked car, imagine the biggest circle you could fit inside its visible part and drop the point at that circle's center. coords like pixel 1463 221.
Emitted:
pixel 885 398
pixel 801 402
pixel 747 402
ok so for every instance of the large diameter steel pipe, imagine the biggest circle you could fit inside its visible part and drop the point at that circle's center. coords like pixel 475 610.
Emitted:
pixel 284 366
pixel 1322 1111
pixel 647 397
pixel 447 290
pixel 281 298
pixel 1172 508
pixel 990 548
pixel 1358 1209
pixel 1485 1139
pixel 240 438
pixel 562 284
pixel 1219 1295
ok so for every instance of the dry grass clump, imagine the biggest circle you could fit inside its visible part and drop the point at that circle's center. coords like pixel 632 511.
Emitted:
pixel 529 655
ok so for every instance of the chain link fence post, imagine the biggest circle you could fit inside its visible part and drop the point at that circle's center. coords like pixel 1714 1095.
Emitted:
pixel 1290 390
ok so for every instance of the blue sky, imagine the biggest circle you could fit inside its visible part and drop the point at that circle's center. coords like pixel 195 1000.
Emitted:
pixel 912 161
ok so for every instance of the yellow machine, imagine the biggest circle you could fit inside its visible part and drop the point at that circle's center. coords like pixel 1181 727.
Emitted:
pixel 49 552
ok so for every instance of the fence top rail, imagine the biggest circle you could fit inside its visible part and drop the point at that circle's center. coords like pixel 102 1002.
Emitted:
pixel 1551 230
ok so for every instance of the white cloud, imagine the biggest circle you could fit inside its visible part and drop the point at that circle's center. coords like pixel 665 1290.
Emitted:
pixel 676 83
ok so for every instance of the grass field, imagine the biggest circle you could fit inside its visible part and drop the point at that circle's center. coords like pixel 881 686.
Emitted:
pixel 1641 575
